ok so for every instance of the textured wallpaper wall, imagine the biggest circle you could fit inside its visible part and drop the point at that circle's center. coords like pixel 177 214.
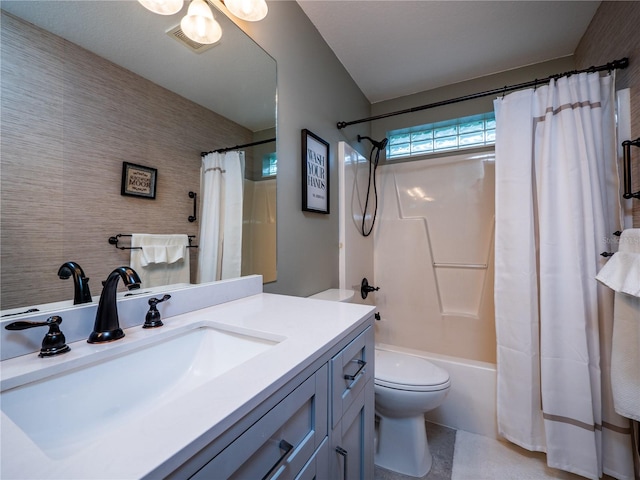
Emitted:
pixel 69 120
pixel 613 34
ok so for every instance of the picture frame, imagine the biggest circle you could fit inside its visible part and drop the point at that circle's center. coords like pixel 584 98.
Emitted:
pixel 315 173
pixel 138 181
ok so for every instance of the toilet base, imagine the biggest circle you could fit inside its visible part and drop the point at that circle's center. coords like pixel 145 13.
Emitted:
pixel 402 446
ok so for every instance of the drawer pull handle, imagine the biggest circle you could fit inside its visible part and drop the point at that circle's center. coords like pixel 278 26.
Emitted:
pixel 287 447
pixel 362 364
pixel 343 452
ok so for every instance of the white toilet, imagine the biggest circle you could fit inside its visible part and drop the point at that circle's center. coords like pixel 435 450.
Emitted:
pixel 406 387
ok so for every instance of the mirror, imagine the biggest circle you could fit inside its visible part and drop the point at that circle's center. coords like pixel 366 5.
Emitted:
pixel 88 85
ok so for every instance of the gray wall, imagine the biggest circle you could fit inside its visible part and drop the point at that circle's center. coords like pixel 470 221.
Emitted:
pixel 314 92
pixel 471 107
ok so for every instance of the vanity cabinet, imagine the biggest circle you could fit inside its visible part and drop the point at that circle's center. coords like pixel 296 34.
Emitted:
pixel 352 410
pixel 261 386
pixel 282 442
pixel 322 429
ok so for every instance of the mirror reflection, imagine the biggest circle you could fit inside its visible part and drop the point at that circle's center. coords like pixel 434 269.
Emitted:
pixel 90 86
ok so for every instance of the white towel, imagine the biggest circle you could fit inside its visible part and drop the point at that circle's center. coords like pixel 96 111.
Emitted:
pixel 162 254
pixel 621 273
pixel 623 276
pixel 160 259
pixel 625 356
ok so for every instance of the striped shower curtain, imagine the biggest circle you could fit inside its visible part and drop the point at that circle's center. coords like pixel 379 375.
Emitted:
pixel 222 190
pixel 556 209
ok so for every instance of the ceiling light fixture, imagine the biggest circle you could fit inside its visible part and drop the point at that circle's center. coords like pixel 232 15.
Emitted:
pixel 199 25
pixel 163 7
pixel 250 10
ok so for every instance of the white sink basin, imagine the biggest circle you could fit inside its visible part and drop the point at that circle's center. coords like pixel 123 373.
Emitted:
pixel 61 412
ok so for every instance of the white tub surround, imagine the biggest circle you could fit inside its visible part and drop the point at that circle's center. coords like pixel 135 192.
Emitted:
pixel 433 255
pixel 160 437
pixel 356 251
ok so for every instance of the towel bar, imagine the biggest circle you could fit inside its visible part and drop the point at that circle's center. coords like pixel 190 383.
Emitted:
pixel 115 239
pixel 481 266
pixel 194 195
pixel 626 163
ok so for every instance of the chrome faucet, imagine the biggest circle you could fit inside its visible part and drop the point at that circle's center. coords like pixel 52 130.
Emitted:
pixel 81 293
pixel 107 326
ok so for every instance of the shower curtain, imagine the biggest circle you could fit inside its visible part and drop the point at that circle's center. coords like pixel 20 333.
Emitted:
pixel 220 244
pixel 556 209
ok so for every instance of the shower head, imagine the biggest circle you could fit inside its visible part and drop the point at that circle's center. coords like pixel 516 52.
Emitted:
pixel 379 145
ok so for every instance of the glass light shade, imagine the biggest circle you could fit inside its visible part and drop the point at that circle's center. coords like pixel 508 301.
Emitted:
pixel 199 24
pixel 250 10
pixel 163 7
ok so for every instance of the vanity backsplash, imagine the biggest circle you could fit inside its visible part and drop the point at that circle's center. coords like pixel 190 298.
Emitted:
pixel 77 321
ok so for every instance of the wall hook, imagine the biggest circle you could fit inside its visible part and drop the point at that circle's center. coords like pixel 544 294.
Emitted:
pixel 194 195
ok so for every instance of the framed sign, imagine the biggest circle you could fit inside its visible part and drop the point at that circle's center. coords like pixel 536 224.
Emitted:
pixel 138 181
pixel 315 173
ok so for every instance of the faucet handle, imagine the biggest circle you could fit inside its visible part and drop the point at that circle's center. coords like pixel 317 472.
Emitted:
pixel 153 318
pixel 54 342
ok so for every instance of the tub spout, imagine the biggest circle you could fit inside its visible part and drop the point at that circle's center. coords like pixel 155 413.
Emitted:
pixel 81 293
pixel 107 326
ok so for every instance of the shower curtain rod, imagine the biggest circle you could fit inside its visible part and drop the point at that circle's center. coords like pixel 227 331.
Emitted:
pixel 622 63
pixel 238 147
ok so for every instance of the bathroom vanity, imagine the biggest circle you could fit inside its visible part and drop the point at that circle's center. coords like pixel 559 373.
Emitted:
pixel 263 386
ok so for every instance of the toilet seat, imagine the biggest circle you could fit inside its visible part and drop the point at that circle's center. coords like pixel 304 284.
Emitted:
pixel 406 372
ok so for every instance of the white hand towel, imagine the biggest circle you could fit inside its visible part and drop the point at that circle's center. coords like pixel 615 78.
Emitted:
pixel 625 356
pixel 162 254
pixel 160 259
pixel 621 273
pixel 160 248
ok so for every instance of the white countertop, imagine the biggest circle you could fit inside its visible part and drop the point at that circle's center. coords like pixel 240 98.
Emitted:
pixel 174 430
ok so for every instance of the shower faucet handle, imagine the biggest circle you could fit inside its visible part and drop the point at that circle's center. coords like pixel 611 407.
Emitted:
pixel 366 289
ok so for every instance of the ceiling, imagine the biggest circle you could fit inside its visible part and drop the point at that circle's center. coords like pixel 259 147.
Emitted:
pixel 393 48
pixel 235 78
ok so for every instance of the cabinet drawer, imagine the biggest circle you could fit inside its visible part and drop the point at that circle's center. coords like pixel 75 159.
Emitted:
pixel 282 441
pixel 318 466
pixel 350 371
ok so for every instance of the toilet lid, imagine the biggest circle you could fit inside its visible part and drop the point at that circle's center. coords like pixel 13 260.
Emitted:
pixel 400 371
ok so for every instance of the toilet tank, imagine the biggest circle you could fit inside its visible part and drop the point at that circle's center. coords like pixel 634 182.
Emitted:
pixel 335 295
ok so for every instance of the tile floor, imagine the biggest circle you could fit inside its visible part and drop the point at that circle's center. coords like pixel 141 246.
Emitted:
pixel 481 458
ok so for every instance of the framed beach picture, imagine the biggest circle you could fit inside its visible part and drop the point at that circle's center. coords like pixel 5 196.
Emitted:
pixel 138 180
pixel 315 173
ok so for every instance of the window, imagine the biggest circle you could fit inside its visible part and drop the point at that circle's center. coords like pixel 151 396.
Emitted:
pixel 269 165
pixel 468 132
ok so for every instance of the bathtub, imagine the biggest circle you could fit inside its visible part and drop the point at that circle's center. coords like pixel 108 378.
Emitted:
pixel 471 403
